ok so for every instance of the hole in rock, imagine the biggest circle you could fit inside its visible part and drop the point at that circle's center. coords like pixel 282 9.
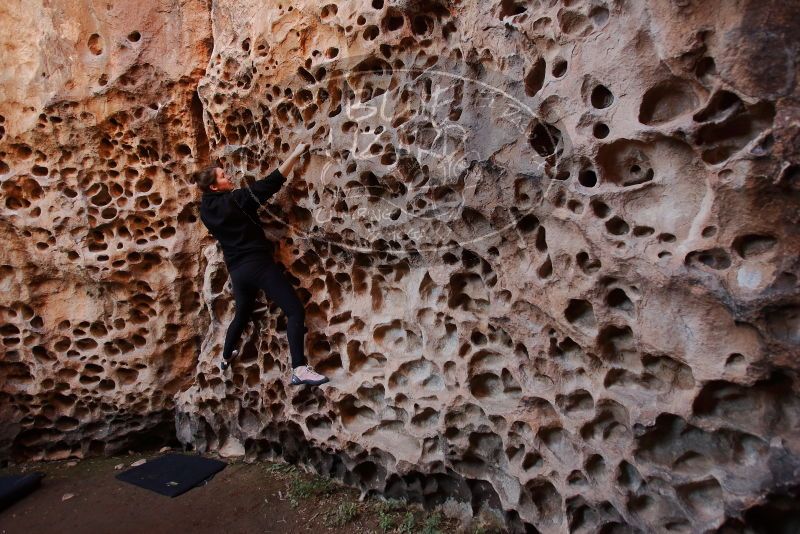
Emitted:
pixel 392 21
pixel 617 226
pixel 559 67
pixel 587 178
pixel 715 258
pixel 511 8
pixel 666 101
pixel 535 77
pixel 580 312
pixel 601 97
pixel 600 208
pixel 95 44
pixel 600 130
pixel 747 246
pixel 544 138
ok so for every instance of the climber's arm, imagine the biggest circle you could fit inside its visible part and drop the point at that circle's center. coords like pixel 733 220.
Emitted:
pixel 265 188
pixel 287 165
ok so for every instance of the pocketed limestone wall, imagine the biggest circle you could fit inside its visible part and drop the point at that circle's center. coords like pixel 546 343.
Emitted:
pixel 548 251
pixel 100 268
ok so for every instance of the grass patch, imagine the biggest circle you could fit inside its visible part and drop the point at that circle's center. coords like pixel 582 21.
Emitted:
pixel 304 488
pixel 408 523
pixel 486 524
pixel 432 524
pixel 301 485
pixel 389 513
pixel 395 516
pixel 386 521
pixel 341 515
pixel 281 469
pixel 390 505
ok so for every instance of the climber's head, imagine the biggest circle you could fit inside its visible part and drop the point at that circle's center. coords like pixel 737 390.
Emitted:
pixel 213 179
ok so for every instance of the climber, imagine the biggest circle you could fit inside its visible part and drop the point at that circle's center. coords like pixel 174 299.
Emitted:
pixel 231 216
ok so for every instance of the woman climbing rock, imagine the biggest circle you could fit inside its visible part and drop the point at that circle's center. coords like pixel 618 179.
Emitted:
pixel 231 216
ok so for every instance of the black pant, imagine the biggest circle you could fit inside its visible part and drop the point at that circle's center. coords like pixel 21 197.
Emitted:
pixel 266 275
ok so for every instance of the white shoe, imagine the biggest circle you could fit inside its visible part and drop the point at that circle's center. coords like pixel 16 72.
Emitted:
pixel 224 364
pixel 305 374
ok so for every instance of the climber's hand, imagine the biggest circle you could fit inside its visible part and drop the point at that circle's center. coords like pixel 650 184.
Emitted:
pixel 300 148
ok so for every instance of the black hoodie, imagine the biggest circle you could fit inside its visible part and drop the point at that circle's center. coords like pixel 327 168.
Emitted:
pixel 231 217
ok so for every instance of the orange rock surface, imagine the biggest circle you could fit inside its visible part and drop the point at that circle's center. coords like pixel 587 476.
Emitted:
pixel 548 249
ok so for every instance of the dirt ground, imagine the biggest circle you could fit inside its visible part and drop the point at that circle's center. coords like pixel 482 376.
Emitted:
pixel 243 498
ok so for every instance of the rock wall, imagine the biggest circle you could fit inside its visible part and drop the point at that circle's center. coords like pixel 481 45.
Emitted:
pixel 548 249
pixel 101 263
